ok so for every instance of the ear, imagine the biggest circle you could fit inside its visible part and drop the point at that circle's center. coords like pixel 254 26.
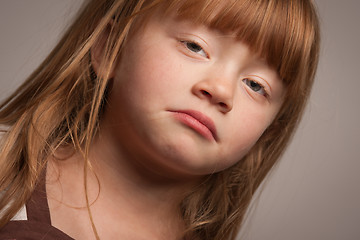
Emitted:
pixel 97 52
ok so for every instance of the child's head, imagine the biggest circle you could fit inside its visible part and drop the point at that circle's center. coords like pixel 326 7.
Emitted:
pixel 281 33
pixel 70 90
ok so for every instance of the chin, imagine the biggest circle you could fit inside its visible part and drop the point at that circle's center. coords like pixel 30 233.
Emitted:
pixel 192 163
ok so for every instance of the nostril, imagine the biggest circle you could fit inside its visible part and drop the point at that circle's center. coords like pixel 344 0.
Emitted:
pixel 223 105
pixel 206 93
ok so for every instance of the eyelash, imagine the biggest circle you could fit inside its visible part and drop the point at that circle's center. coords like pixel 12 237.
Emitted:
pixel 249 83
pixel 191 45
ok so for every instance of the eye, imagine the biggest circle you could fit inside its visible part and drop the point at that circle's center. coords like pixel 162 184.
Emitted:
pixel 194 47
pixel 255 86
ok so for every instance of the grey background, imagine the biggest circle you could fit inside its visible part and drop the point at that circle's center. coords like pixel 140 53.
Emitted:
pixel 314 192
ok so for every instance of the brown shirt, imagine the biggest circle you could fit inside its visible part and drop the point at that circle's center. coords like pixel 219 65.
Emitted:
pixel 37 224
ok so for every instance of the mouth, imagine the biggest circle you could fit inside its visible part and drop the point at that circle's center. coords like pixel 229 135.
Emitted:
pixel 199 122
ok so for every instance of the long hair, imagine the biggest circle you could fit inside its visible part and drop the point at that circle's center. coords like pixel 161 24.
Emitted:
pixel 61 101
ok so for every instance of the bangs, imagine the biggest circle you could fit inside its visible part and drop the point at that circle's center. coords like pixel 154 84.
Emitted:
pixel 280 31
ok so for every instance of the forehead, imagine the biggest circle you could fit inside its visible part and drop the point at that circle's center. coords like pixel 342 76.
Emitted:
pixel 248 20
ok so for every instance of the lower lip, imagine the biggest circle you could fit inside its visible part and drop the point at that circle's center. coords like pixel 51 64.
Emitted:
pixel 194 124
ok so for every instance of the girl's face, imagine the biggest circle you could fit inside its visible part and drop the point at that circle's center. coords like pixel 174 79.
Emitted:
pixel 189 100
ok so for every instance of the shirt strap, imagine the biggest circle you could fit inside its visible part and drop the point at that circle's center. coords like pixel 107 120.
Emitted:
pixel 37 207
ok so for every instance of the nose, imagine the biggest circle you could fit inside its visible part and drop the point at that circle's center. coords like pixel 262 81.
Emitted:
pixel 217 91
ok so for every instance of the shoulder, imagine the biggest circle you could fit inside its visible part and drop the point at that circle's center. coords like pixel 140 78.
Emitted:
pixel 28 230
pixel 21 215
pixel 31 222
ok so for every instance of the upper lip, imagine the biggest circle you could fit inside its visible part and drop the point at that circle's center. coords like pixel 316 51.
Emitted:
pixel 203 119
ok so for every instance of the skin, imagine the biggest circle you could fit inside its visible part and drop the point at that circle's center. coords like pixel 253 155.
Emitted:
pixel 160 73
pixel 144 149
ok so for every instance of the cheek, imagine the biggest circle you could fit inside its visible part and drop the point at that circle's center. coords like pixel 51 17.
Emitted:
pixel 143 76
pixel 243 131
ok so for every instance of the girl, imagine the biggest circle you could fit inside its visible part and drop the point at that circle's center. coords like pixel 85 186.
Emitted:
pixel 155 119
